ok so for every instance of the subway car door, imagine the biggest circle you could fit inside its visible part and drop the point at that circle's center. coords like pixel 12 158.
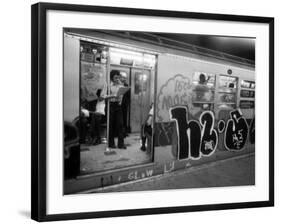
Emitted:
pixel 140 97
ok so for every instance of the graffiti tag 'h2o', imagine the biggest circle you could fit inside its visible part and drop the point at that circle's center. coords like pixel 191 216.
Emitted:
pixel 194 138
pixel 236 132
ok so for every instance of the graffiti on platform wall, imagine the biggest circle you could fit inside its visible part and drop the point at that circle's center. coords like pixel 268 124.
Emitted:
pixel 200 138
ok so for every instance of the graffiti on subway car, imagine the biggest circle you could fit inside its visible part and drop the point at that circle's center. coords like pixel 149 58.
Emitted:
pixel 197 138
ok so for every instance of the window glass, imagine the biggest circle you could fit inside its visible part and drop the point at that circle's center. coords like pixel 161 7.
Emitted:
pixel 201 78
pixel 227 92
pixel 227 97
pixel 140 82
pixel 203 87
pixel 247 84
pixel 226 106
pixel 247 93
pixel 93 70
pixel 227 83
pixel 247 104
pixel 204 106
pixel 93 53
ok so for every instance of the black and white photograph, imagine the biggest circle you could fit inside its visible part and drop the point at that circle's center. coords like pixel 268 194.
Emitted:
pixel 157 111
pixel 140 112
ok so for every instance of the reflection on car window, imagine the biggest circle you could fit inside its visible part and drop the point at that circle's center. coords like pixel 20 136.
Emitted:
pixel 203 90
pixel 227 82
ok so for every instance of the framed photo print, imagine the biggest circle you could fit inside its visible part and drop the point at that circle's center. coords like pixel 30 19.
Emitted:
pixel 138 111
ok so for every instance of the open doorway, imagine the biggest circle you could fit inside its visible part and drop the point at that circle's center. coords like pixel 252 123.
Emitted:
pixel 116 104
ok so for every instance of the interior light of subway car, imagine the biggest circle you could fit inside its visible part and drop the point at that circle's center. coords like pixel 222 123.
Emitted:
pixel 118 55
pixel 143 77
pixel 121 56
pixel 149 60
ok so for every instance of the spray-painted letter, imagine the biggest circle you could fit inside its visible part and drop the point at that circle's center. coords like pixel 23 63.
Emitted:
pixel 236 131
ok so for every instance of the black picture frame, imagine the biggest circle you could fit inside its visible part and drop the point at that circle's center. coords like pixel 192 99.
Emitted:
pixel 39 108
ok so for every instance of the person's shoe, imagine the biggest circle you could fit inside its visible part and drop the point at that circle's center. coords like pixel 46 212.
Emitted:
pixel 93 141
pixel 96 141
pixel 142 148
pixel 112 146
pixel 122 147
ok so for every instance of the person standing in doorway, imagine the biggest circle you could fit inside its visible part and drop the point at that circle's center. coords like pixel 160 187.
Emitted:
pixel 115 112
pixel 125 103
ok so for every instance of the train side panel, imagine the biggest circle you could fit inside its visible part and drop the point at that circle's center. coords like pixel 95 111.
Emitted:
pixel 196 117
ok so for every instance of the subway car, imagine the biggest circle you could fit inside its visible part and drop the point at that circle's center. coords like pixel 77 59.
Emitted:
pixel 184 105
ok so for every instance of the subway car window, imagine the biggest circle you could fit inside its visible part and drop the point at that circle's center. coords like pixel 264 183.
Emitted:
pixel 203 90
pixel 228 84
pixel 227 92
pixel 247 84
pixel 247 97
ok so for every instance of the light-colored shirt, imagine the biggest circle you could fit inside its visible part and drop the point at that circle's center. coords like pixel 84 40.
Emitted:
pixel 151 111
pixel 85 112
pixel 113 91
pixel 149 120
pixel 100 106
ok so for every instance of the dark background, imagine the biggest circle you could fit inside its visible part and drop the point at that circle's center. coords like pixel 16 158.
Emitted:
pixel 243 47
pixel 238 46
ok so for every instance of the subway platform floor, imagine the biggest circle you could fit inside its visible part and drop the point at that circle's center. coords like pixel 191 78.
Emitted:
pixel 229 172
pixel 163 163
pixel 95 158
